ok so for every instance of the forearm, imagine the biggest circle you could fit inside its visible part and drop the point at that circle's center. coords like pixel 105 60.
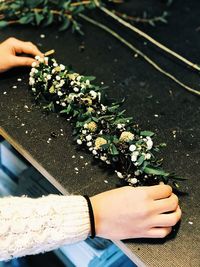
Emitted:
pixel 30 226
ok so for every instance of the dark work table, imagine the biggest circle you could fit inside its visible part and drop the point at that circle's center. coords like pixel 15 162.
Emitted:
pixel 155 102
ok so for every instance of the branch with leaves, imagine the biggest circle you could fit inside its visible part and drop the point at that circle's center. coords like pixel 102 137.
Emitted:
pixel 66 14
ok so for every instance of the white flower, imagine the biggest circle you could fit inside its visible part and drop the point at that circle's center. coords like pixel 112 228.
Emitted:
pixel 119 174
pixel 148 156
pixel 58 78
pixel 34 64
pixel 119 125
pixel 149 143
pixel 55 64
pixel 57 102
pixel 89 137
pixel 132 148
pixel 48 77
pixel 84 131
pixel 134 156
pixel 34 90
pixel 87 82
pixel 79 142
pixel 99 96
pixel 103 107
pixel 37 57
pixel 41 60
pixel 85 126
pixel 94 152
pixel 63 104
pixel 93 94
pixel 31 81
pixel 33 70
pixel 103 158
pixel 133 180
pixel 89 144
pixel 62 67
pixel 79 78
pixel 108 162
pixel 62 82
pixel 76 89
pixel 137 173
pixel 71 97
pixel 72 83
pixel 59 93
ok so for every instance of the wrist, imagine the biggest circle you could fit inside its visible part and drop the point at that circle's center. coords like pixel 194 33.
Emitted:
pixel 91 216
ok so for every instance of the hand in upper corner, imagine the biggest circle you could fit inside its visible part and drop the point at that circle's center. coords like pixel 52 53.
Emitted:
pixel 11 52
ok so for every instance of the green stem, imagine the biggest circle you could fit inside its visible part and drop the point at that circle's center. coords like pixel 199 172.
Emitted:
pixel 145 57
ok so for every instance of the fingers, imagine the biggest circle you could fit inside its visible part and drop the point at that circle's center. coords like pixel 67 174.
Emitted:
pixel 159 232
pixel 167 220
pixel 21 61
pixel 159 191
pixel 167 204
pixel 19 47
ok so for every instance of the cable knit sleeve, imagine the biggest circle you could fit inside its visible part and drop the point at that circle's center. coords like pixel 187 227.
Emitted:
pixel 30 226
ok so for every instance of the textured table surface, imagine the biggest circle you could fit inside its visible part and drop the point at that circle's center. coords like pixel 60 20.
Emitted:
pixel 154 101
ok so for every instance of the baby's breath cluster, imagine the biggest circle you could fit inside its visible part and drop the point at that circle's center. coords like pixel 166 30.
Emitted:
pixel 102 129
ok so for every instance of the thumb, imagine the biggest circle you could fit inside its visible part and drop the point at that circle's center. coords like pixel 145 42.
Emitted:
pixel 22 61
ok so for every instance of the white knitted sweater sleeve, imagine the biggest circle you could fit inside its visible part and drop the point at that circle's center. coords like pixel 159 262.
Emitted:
pixel 30 226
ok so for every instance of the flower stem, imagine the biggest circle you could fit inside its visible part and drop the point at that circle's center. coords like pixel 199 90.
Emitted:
pixel 144 56
pixel 149 38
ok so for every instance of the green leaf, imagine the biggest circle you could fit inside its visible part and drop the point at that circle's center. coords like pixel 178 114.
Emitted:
pixel 113 149
pixel 95 119
pixel 49 19
pixel 105 146
pixel 33 4
pixel 38 18
pixel 65 24
pixel 75 113
pixel 90 78
pixel 113 108
pixel 140 160
pixel 26 19
pixel 150 170
pixel 3 23
pixel 67 110
pixel 146 133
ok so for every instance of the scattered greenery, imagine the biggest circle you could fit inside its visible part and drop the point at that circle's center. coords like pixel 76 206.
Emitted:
pixel 100 128
pixel 62 12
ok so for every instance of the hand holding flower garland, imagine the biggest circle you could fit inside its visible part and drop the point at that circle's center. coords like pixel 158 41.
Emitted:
pixel 10 51
pixel 101 129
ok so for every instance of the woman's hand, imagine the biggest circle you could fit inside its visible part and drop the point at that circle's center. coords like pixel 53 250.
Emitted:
pixel 10 51
pixel 130 212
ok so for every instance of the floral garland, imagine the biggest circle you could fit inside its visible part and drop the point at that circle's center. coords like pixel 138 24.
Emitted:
pixel 101 129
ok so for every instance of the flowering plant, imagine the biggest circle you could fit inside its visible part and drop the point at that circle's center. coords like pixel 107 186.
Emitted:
pixel 100 128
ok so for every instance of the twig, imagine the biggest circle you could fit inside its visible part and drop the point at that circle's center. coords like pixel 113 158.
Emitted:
pixel 145 57
pixel 149 38
pixel 139 19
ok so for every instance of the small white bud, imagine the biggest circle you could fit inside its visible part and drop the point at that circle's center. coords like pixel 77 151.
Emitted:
pixel 79 142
